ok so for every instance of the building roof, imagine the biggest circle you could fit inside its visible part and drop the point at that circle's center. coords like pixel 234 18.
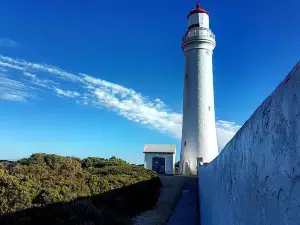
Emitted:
pixel 160 148
pixel 197 10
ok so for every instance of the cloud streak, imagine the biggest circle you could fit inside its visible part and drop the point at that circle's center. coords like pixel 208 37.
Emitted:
pixel 95 92
pixel 66 93
pixel 14 90
pixel 6 42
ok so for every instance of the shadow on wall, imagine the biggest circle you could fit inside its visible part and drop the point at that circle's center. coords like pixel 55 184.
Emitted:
pixel 256 178
pixel 109 208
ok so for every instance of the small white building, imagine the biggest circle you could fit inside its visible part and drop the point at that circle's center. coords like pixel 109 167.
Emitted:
pixel 160 158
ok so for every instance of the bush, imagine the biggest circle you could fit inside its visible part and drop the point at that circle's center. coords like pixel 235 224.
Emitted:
pixel 108 185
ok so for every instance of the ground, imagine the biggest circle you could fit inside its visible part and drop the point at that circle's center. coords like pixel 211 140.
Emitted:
pixel 186 211
pixel 177 205
pixel 169 196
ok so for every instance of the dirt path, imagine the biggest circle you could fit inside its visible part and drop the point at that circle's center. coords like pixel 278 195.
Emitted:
pixel 169 195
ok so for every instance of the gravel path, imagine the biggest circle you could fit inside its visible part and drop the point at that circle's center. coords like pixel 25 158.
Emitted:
pixel 169 195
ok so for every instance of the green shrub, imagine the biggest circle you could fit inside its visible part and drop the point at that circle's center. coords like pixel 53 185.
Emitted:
pixel 13 195
pixel 112 185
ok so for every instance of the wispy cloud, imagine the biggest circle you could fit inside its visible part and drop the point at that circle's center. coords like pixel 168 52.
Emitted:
pixel 6 42
pixel 225 131
pixel 95 92
pixel 42 82
pixel 14 90
pixel 66 93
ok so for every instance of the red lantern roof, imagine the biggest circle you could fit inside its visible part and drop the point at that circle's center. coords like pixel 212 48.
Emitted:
pixel 197 10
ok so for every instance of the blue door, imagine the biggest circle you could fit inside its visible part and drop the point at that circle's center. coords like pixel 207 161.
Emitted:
pixel 159 164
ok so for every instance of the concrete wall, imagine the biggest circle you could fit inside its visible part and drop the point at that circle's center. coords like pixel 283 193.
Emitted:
pixel 256 178
pixel 170 161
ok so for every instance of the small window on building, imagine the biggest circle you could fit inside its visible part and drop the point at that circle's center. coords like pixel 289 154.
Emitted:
pixel 185 143
pixel 186 76
pixel 208 108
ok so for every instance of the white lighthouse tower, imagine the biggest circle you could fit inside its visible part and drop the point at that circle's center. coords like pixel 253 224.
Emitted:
pixel 199 139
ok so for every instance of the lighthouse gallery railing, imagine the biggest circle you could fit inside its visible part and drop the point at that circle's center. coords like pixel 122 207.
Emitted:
pixel 198 33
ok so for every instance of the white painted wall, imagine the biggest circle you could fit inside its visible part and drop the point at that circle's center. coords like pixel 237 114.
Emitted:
pixel 170 161
pixel 256 178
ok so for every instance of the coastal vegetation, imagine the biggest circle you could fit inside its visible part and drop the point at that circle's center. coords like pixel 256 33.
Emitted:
pixel 51 189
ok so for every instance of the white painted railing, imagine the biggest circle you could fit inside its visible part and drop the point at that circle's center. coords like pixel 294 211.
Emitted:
pixel 198 33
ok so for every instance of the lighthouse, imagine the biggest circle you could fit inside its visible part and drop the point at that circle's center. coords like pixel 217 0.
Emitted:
pixel 199 139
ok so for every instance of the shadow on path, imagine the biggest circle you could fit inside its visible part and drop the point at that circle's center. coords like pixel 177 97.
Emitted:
pixel 186 211
pixel 169 195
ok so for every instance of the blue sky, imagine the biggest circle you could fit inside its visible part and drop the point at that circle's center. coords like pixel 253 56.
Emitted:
pixel 103 78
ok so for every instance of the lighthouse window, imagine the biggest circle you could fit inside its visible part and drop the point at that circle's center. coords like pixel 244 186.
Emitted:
pixel 185 143
pixel 208 108
pixel 186 76
pixel 194 25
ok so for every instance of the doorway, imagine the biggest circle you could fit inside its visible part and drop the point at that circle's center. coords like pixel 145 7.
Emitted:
pixel 159 164
pixel 199 163
pixel 187 170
